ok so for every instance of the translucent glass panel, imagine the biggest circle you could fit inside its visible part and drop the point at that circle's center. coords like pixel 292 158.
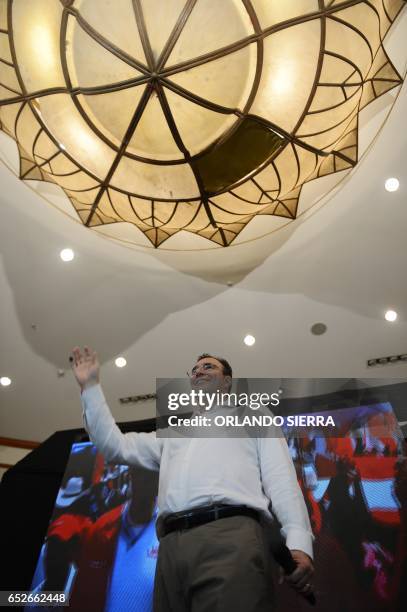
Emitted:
pixel 155 181
pixel 160 21
pixel 111 112
pixel 226 81
pixel 289 71
pixel 274 12
pixel 152 137
pixel 90 64
pixel 60 116
pixel 211 26
pixel 36 34
pixel 115 22
pixel 198 126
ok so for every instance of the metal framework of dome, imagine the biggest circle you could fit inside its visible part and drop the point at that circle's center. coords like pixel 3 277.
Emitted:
pixel 192 115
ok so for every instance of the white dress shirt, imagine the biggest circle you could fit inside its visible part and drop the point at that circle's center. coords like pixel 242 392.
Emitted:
pixel 200 471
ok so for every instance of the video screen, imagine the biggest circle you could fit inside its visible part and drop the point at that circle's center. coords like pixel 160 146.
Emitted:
pixel 101 547
pixel 355 489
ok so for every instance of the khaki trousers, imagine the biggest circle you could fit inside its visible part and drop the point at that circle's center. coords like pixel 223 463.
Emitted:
pixel 221 566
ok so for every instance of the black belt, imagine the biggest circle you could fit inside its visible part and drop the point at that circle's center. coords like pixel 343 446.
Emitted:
pixel 202 515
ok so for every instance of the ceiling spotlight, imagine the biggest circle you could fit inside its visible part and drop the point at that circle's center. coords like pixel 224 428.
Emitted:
pixel 392 184
pixel 391 315
pixel 120 362
pixel 5 381
pixel 67 254
pixel 249 340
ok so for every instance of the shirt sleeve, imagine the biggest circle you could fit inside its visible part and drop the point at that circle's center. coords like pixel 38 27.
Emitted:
pixel 138 449
pixel 280 484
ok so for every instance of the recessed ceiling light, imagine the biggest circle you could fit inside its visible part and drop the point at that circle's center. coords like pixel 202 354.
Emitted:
pixel 391 315
pixel 249 340
pixel 5 381
pixel 67 254
pixel 120 362
pixel 392 184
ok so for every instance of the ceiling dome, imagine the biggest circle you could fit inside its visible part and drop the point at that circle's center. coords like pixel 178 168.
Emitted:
pixel 191 115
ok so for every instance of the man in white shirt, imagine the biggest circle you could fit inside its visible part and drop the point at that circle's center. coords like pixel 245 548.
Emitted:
pixel 212 492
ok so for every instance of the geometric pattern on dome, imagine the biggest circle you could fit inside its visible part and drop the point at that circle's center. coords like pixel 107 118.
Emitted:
pixel 196 117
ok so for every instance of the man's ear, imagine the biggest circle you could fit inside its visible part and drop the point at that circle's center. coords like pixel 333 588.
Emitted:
pixel 228 381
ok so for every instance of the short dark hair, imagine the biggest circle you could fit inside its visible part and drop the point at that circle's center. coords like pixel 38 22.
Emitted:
pixel 227 370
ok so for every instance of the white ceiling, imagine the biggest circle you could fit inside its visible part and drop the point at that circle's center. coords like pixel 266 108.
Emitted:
pixel 344 265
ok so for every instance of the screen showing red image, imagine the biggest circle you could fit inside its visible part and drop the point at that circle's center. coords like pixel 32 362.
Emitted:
pixel 101 546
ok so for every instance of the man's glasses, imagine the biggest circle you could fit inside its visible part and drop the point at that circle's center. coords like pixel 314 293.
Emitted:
pixel 205 367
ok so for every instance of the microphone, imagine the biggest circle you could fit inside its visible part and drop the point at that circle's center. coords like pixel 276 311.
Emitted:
pixel 283 556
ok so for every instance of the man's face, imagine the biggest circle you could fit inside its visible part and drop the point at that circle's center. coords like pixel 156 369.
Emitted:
pixel 207 374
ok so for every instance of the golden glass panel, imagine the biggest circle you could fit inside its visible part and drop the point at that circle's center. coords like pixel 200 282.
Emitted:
pixel 332 96
pixel 112 112
pixel 221 207
pixel 157 181
pixel 226 81
pixel 339 70
pixel 70 130
pixel 8 115
pixel 287 169
pixel 327 140
pixel 9 80
pixel 117 205
pixel 159 29
pixel 163 213
pixel 90 64
pixel 6 93
pixel 78 181
pixel 249 191
pixel 106 207
pixel 323 121
pixel 183 215
pixel 3 15
pixel 393 7
pixel 37 43
pixel 141 207
pixel 27 129
pixel 219 23
pixel 198 126
pixel 289 71
pixel 340 38
pixel 116 24
pixel 272 12
pixel 268 179
pixel 5 53
pixel 307 162
pixel 44 148
pixel 84 198
pixel 152 137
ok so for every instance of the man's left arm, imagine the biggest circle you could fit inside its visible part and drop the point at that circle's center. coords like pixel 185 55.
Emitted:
pixel 280 484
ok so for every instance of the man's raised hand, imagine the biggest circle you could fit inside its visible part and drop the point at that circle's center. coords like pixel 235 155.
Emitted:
pixel 85 367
